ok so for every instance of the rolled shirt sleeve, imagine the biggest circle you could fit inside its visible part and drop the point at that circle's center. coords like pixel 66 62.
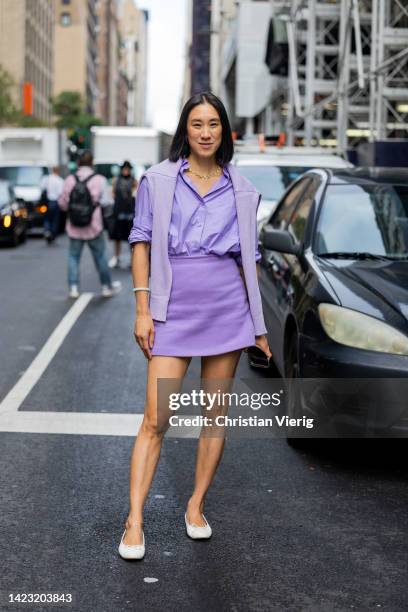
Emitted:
pixel 143 219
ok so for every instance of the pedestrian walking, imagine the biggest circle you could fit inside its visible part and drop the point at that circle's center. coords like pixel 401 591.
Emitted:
pixel 194 234
pixel 81 198
pixel 124 188
pixel 52 185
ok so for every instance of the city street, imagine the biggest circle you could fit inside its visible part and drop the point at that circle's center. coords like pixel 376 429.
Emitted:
pixel 293 531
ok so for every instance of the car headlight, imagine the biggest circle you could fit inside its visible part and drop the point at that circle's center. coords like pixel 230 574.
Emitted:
pixel 361 331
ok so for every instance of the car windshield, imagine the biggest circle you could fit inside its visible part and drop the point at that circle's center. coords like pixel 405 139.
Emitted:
pixel 22 176
pixel 271 181
pixel 369 219
pixel 4 194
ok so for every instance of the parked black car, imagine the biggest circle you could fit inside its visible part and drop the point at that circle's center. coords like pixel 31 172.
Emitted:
pixel 334 284
pixel 26 181
pixel 13 216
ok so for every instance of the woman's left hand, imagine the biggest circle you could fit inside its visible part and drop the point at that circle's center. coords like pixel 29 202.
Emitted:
pixel 262 343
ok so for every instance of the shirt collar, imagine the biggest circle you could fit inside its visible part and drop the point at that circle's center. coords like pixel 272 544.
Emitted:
pixel 186 164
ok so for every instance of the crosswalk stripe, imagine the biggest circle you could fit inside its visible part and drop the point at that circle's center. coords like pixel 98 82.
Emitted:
pixel 81 423
pixel 17 395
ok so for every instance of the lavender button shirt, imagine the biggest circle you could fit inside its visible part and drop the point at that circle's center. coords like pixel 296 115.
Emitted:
pixel 199 225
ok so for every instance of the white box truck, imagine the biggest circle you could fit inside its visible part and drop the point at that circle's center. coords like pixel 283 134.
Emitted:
pixel 142 146
pixel 26 154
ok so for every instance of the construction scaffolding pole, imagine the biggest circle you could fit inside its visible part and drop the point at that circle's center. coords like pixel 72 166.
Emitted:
pixel 346 93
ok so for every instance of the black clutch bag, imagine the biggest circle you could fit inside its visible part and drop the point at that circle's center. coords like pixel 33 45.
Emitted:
pixel 258 358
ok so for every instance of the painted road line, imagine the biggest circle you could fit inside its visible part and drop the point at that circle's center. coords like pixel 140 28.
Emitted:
pixel 17 395
pixel 82 423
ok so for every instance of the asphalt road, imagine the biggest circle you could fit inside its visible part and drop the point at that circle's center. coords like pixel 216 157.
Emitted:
pixel 319 530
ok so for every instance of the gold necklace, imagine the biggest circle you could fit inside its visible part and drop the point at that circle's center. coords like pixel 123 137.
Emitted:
pixel 205 177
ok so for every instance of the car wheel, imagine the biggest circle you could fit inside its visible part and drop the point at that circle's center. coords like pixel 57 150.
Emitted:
pixel 23 237
pixel 292 390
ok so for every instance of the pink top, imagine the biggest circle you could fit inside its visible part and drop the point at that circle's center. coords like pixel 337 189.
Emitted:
pixel 96 186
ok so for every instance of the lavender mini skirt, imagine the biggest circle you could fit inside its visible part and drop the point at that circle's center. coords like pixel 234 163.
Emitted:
pixel 208 311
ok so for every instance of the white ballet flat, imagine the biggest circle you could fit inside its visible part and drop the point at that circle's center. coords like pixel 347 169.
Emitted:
pixel 196 532
pixel 135 551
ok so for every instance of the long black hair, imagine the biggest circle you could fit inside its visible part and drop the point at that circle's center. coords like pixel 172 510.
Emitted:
pixel 180 147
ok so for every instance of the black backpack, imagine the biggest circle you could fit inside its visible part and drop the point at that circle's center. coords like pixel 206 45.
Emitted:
pixel 81 205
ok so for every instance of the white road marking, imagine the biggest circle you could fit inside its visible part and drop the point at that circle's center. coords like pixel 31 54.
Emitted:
pixel 74 423
pixel 81 423
pixel 17 395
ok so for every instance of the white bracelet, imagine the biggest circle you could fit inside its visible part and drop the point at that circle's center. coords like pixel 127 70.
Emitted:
pixel 141 289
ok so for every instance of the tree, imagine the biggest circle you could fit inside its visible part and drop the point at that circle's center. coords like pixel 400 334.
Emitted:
pixel 7 108
pixel 69 109
pixel 29 121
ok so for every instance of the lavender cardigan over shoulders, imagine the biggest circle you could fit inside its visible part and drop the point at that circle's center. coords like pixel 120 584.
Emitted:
pixel 198 225
pixel 171 214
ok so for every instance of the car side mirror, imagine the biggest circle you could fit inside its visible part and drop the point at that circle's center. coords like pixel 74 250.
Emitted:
pixel 279 240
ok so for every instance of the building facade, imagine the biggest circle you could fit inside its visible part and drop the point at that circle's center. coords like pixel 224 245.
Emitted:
pixel 26 52
pixel 108 64
pixel 133 27
pixel 76 50
pixel 200 46
pixel 223 16
pixel 320 73
pixel 187 53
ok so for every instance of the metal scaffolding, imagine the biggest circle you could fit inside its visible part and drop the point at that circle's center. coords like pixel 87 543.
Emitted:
pixel 348 70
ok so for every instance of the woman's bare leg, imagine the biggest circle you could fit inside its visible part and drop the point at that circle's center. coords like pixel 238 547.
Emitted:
pixel 210 447
pixel 147 447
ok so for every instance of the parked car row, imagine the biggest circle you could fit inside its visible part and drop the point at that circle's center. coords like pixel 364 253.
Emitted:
pixel 334 285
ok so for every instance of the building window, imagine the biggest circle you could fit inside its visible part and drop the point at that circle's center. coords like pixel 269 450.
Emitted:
pixel 65 19
pixel 66 1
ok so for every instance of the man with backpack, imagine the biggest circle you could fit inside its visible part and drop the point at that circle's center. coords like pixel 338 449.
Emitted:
pixel 81 199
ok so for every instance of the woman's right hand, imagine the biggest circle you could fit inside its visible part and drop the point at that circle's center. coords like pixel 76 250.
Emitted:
pixel 144 334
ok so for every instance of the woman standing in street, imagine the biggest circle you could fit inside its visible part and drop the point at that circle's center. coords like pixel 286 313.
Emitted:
pixel 195 235
pixel 123 187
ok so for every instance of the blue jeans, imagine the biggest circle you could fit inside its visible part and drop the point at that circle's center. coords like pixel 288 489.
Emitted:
pixel 51 221
pixel 97 246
